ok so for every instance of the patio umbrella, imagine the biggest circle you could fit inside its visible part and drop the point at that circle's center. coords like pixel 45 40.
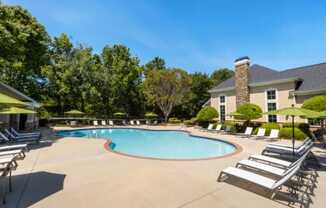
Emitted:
pixel 16 110
pixel 74 112
pixel 7 100
pixel 235 114
pixel 293 112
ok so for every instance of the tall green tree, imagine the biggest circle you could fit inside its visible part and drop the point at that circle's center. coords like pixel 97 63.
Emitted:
pixel 221 75
pixel 23 49
pixel 316 103
pixel 166 88
pixel 61 56
pixel 126 77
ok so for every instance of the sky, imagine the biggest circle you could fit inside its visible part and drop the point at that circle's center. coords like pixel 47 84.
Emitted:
pixel 196 35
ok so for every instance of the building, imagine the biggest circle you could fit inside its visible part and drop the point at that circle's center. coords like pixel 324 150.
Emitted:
pixel 19 121
pixel 268 88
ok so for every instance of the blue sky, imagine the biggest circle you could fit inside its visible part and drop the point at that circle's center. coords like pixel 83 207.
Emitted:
pixel 195 35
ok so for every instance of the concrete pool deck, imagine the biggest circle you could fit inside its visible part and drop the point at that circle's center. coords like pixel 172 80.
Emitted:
pixel 74 172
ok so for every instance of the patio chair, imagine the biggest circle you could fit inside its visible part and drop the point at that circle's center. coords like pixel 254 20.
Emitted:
pixel 13 147
pixel 124 122
pixel 273 135
pixel 132 122
pixel 286 151
pixel 260 133
pixel 209 127
pixel 19 153
pixel 32 134
pixel 95 123
pixel 7 164
pixel 271 185
pixel 103 122
pixel 12 138
pixel 218 127
pixel 155 122
pixel 138 122
pixel 247 132
pixel 111 123
pixel 306 141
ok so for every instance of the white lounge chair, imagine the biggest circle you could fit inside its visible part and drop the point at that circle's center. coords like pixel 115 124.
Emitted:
pixel 273 135
pixel 95 123
pixel 18 152
pixel 124 122
pixel 279 150
pixel 271 145
pixel 210 127
pixel 25 134
pixel 111 123
pixel 103 122
pixel 137 122
pixel 260 133
pixel 155 122
pixel 247 132
pixel 269 184
pixel 132 122
pixel 218 127
pixel 13 138
pixel 13 147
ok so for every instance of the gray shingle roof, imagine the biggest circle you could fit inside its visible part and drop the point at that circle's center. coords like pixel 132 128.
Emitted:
pixel 313 76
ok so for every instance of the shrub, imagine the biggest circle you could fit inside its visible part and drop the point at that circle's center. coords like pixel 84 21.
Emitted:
pixel 268 127
pixel 206 114
pixel 174 121
pixel 190 122
pixel 151 115
pixel 304 127
pixel 249 112
pixel 286 133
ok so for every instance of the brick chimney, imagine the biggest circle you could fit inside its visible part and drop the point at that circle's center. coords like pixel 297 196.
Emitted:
pixel 242 80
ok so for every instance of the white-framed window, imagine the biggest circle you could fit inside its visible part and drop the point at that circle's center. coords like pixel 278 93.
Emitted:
pixel 271 104
pixel 222 108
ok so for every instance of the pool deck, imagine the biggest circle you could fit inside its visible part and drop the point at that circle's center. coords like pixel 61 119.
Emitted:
pixel 74 172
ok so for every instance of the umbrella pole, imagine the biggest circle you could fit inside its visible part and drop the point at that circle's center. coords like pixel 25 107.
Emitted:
pixel 293 140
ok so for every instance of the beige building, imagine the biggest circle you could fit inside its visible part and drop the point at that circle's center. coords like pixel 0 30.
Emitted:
pixel 268 88
pixel 18 121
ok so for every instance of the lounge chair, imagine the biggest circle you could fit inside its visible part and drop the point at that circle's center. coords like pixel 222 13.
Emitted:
pixel 111 123
pixel 286 151
pixel 95 123
pixel 137 122
pixel 7 164
pixel 227 130
pixel 124 122
pixel 247 132
pixel 13 147
pixel 306 141
pixel 209 128
pixel 273 135
pixel 271 169
pixel 260 133
pixel 13 138
pixel 103 122
pixel 269 184
pixel 218 127
pixel 19 153
pixel 132 122
pixel 16 133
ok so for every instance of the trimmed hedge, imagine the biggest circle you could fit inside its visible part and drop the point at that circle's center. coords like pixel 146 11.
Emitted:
pixel 120 115
pixel 268 127
pixel 206 114
pixel 304 127
pixel 286 133
pixel 190 122
pixel 174 121
pixel 150 115
pixel 249 111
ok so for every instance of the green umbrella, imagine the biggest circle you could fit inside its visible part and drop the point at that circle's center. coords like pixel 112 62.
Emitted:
pixel 16 110
pixel 293 112
pixel 74 112
pixel 5 99
pixel 235 114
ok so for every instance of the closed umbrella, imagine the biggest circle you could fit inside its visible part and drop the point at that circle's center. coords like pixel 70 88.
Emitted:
pixel 74 112
pixel 293 112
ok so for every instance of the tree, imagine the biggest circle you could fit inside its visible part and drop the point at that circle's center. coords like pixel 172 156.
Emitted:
pixel 249 112
pixel 156 64
pixel 23 46
pixel 220 75
pixel 207 114
pixel 125 79
pixel 166 88
pixel 316 103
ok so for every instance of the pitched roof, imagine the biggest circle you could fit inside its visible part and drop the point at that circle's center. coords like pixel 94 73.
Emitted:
pixel 313 77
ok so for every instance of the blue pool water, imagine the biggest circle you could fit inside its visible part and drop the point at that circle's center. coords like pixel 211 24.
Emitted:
pixel 156 144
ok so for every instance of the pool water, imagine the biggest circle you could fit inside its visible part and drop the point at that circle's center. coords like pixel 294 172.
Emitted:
pixel 156 144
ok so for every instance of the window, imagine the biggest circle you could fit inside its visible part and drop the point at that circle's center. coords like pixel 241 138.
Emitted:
pixel 314 122
pixel 222 112
pixel 222 99
pixel 222 108
pixel 271 104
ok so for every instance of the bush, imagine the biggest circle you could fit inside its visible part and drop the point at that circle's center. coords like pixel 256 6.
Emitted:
pixel 268 127
pixel 249 112
pixel 304 127
pixel 286 133
pixel 174 121
pixel 151 115
pixel 206 114
pixel 190 122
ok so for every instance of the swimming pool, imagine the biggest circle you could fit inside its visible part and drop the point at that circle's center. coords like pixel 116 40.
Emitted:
pixel 156 144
